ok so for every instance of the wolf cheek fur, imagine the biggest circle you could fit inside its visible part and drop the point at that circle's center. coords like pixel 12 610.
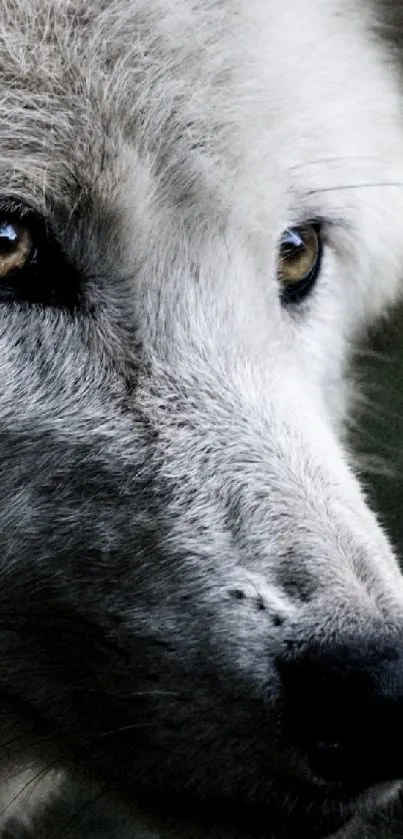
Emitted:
pixel 185 547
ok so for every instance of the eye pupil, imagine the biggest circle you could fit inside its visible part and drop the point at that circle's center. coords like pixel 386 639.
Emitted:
pixel 299 260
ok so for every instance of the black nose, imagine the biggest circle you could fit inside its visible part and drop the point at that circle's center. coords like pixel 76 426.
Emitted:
pixel 344 709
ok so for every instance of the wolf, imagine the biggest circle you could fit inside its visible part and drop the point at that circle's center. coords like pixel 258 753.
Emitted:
pixel 201 618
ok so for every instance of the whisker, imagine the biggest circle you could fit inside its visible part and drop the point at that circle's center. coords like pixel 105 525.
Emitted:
pixel 342 159
pixel 39 776
pixel 27 744
pixel 33 782
pixel 138 694
pixel 341 187
pixel 113 732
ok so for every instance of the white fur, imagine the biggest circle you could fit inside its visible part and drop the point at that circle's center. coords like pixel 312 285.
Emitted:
pixel 206 129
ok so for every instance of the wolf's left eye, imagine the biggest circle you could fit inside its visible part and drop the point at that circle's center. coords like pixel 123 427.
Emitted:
pixel 299 259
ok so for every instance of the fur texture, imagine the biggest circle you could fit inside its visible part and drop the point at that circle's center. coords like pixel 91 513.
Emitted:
pixel 178 505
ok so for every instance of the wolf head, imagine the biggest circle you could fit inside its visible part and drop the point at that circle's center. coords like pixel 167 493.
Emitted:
pixel 200 212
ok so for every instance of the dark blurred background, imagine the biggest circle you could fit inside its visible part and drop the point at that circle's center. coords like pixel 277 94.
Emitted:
pixel 377 433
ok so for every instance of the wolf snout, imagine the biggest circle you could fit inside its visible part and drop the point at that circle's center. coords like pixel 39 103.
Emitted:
pixel 344 709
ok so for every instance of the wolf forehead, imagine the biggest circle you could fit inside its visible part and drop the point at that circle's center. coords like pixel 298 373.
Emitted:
pixel 171 80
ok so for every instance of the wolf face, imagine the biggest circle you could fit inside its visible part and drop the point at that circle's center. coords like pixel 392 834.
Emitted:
pixel 200 212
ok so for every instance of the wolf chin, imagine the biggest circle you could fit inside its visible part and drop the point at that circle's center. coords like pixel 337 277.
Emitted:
pixel 201 207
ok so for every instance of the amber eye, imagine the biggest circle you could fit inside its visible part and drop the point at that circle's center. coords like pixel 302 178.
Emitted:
pixel 16 248
pixel 299 260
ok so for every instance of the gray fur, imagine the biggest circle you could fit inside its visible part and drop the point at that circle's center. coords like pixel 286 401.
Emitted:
pixel 178 500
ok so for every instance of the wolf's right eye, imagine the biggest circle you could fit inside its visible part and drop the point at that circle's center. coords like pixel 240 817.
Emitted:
pixel 33 268
pixel 16 247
